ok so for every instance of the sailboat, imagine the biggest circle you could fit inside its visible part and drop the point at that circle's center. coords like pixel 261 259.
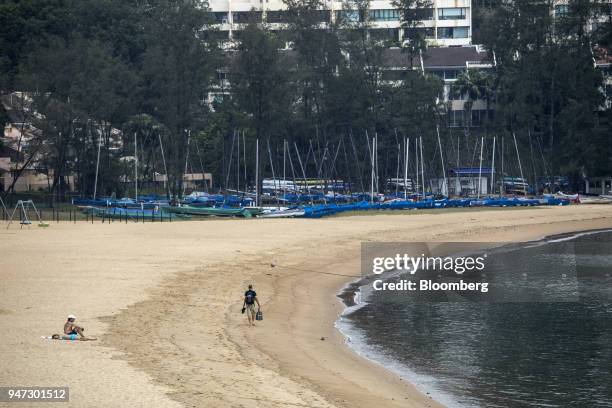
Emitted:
pixel 607 196
pixel 574 198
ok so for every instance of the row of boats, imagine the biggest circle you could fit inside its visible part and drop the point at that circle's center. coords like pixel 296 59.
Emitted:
pixel 156 209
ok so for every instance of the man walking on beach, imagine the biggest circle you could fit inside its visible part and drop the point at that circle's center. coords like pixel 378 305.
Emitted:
pixel 250 298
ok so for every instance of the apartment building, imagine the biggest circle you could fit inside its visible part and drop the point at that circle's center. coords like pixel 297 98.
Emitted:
pixel 446 23
pixel 447 63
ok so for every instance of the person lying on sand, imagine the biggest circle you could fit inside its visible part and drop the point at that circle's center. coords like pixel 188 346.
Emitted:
pixel 71 328
pixel 250 298
pixel 71 337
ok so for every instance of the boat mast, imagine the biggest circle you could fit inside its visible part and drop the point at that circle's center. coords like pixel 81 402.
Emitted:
pixel 135 167
pixel 533 167
pixel 243 161
pixel 372 167
pixel 407 143
pixel 97 163
pixel 416 162
pixel 284 168
pixel 333 171
pixel 493 169
pixel 292 169
pixel 480 169
pixel 519 162
pixel 238 163
pixel 371 154
pixel 273 174
pixel 186 160
pixel 202 164
pixel 399 153
pixel 164 160
pixel 445 186
pixel 376 160
pixel 422 168
pixel 502 187
pixel 303 172
pixel 457 182
pixel 314 158
pixel 229 166
pixel 357 162
pixel 397 173
pixel 257 172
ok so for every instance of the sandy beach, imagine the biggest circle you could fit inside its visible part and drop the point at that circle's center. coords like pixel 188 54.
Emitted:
pixel 164 301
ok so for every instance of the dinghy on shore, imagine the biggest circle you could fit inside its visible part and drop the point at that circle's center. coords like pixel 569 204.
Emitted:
pixel 286 213
pixel 246 212
pixel 132 213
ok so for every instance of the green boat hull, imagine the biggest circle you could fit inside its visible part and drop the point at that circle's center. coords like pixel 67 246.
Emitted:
pixel 134 215
pixel 211 211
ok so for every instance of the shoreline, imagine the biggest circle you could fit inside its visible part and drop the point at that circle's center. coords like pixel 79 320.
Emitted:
pixel 394 391
pixel 170 299
pixel 351 297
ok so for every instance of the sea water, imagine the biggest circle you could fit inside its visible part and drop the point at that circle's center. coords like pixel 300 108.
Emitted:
pixel 552 348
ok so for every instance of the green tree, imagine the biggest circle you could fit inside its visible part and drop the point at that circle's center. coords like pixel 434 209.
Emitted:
pixel 547 85
pixel 412 13
pixel 260 82
pixel 318 56
pixel 177 68
pixel 475 85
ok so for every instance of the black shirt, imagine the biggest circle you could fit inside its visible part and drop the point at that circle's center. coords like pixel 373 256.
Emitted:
pixel 249 297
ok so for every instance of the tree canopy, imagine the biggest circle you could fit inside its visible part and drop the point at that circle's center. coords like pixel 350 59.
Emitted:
pixel 103 73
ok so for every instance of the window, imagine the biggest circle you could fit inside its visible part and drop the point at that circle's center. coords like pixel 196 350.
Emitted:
pixel 438 73
pixel 217 98
pixel 384 34
pixel 418 14
pixel 348 16
pixel 445 73
pixel 425 14
pixel 427 32
pixel 450 74
pixel 455 118
pixel 277 17
pixel 246 16
pixel 455 13
pixel 220 17
pixel 561 10
pixel 383 15
pixel 478 116
pixel 321 16
pixel 452 32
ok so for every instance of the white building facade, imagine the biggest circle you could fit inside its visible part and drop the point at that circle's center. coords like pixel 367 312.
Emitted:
pixel 446 23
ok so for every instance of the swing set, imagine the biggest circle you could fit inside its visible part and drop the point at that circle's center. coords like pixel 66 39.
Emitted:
pixel 4 210
pixel 24 208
